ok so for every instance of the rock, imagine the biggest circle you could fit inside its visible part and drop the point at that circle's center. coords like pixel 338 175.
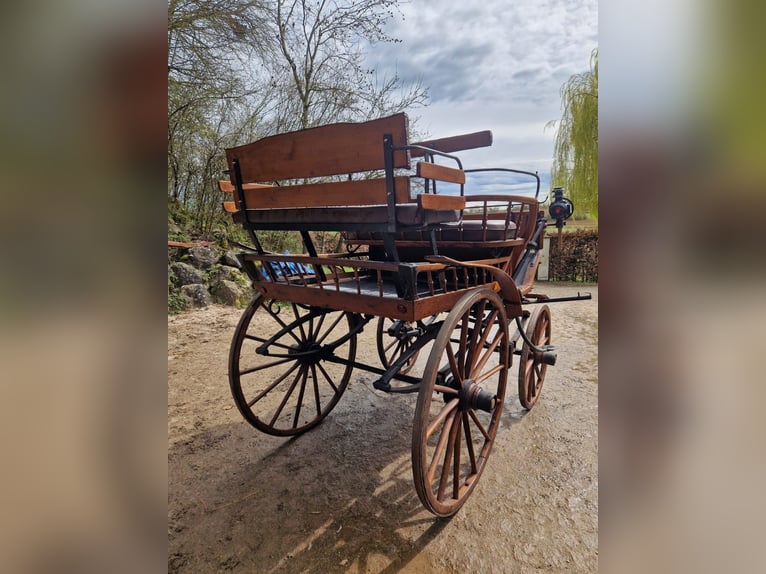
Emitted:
pixel 185 274
pixel 226 292
pixel 197 295
pixel 204 257
pixel 228 274
pixel 230 258
pixel 231 293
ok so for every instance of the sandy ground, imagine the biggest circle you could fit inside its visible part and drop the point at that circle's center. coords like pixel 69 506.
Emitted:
pixel 340 498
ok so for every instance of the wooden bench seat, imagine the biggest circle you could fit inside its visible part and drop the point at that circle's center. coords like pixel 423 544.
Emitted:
pixel 310 196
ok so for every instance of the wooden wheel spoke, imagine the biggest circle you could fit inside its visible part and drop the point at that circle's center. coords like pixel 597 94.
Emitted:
pixel 279 320
pixel 480 426
pixel 271 387
pixel 397 353
pixel 463 344
pixel 477 328
pixel 456 457
pixel 488 374
pixel 469 443
pixel 388 347
pixel 273 343
pixel 445 412
pixel 449 452
pixel 532 387
pixel 491 349
pixel 327 377
pixel 453 364
pixel 265 366
pixel 299 321
pixel 334 324
pixel 481 342
pixel 316 390
pixel 287 396
pixel 446 390
pixel 318 327
pixel 297 415
pixel 439 450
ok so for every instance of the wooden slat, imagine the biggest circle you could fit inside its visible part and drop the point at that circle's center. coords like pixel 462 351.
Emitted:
pixel 327 150
pixel 228 187
pixel 230 207
pixel 440 202
pixel 440 172
pixel 342 193
pixel 456 143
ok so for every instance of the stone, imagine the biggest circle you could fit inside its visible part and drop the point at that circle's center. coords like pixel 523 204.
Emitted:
pixel 204 257
pixel 227 292
pixel 185 274
pixel 197 295
pixel 228 274
pixel 230 258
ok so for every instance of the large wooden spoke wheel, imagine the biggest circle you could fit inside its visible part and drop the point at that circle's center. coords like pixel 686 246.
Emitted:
pixel 531 367
pixel 460 401
pixel 279 369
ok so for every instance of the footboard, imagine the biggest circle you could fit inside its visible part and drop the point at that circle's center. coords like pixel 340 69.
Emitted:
pixel 352 282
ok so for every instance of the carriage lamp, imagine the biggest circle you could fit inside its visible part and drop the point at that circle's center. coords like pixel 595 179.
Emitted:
pixel 561 208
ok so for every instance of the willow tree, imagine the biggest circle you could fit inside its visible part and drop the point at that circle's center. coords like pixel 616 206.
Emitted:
pixel 575 161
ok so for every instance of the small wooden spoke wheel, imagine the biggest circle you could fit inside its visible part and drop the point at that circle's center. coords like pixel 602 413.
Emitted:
pixel 393 340
pixel 281 369
pixel 531 366
pixel 394 337
pixel 460 401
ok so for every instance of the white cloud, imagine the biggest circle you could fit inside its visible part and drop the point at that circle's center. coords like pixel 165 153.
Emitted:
pixel 493 64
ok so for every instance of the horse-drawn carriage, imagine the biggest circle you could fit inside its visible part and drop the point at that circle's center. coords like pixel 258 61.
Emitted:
pixel 444 267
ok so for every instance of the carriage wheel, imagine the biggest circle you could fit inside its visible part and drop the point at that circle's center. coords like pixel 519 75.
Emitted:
pixel 391 347
pixel 460 402
pixel 531 367
pixel 279 372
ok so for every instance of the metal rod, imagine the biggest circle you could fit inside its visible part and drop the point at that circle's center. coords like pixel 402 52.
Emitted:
pixel 579 297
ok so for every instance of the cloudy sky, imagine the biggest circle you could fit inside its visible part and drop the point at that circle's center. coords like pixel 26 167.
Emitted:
pixel 493 64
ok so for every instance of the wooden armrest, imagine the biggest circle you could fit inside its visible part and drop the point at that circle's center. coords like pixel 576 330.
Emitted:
pixel 455 143
pixel 440 172
pixel 440 202
pixel 227 187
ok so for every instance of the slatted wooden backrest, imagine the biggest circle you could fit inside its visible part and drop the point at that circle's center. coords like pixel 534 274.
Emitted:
pixel 335 149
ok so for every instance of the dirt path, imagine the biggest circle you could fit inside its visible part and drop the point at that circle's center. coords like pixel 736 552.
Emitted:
pixel 340 498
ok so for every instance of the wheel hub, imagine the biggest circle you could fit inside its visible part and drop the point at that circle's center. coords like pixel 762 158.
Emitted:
pixel 472 396
pixel 309 352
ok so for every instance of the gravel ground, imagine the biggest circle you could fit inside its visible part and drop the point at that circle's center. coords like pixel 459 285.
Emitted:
pixel 340 498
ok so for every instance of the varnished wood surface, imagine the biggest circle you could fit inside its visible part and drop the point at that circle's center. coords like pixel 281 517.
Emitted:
pixel 440 172
pixel 326 150
pixel 434 201
pixel 455 143
pixel 327 194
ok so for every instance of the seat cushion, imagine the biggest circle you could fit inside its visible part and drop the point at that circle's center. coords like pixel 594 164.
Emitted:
pixel 474 230
pixel 350 217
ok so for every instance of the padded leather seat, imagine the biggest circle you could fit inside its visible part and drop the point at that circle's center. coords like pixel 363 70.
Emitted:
pixel 474 230
pixel 467 230
pixel 407 215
